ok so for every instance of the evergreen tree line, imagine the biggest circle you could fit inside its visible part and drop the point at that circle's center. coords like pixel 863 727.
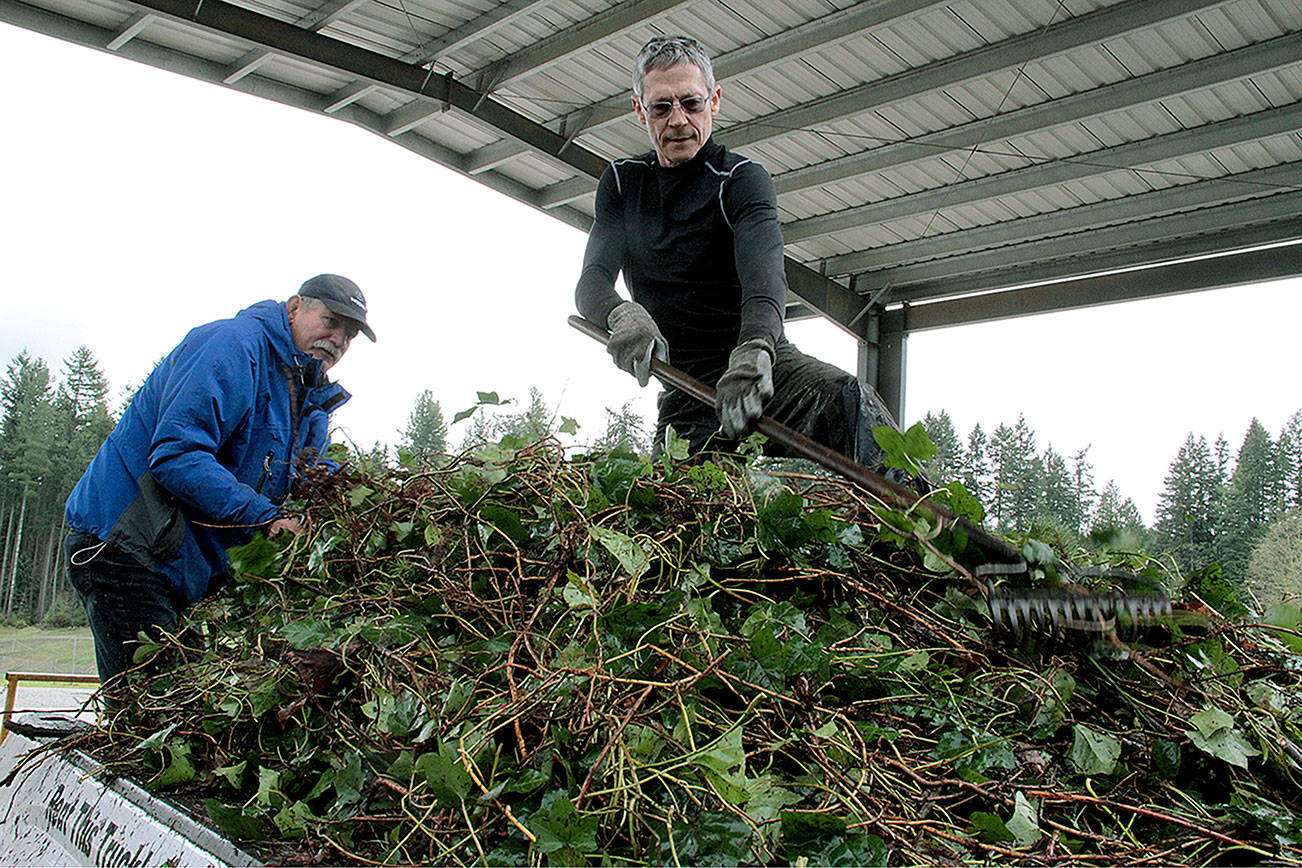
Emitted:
pixel 1241 512
pixel 49 431
pixel 426 433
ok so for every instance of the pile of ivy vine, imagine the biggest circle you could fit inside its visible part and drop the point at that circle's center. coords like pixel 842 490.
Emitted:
pixel 524 658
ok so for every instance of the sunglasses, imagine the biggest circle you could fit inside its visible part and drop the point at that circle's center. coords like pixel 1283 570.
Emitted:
pixel 692 105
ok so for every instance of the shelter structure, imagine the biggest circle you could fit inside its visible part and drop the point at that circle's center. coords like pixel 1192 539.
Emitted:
pixel 937 162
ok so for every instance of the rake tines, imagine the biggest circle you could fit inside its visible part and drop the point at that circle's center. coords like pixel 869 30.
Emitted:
pixel 1056 611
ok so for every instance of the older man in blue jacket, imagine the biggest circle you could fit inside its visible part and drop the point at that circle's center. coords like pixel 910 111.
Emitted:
pixel 203 457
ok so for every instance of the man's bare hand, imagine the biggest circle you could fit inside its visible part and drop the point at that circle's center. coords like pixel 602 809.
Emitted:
pixel 295 524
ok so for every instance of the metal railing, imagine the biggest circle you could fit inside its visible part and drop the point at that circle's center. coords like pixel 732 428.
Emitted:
pixel 16 678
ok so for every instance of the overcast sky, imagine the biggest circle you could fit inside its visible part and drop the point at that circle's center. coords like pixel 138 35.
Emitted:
pixel 138 203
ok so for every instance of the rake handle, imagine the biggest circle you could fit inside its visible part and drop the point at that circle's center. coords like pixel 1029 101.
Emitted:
pixel 891 492
pixel 774 430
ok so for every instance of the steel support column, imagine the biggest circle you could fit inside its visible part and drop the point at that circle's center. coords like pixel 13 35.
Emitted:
pixel 882 362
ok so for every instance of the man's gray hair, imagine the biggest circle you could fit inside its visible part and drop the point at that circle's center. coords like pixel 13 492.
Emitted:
pixel 663 52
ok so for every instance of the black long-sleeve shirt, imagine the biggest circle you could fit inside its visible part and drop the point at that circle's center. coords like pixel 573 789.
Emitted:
pixel 700 247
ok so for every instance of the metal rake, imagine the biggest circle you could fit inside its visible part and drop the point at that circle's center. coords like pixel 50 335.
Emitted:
pixel 1016 611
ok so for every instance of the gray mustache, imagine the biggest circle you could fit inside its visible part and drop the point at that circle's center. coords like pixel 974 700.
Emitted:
pixel 328 348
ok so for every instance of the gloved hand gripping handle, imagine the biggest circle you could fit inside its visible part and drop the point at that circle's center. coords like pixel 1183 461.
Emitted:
pixel 892 493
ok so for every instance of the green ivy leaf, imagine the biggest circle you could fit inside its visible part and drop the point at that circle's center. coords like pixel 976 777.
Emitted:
pixel 560 828
pixel 959 501
pixel 1286 614
pixel 232 774
pixel 1094 753
pixel 1025 822
pixel 906 451
pixel 709 838
pixel 1214 734
pixel 632 558
pixel 1166 758
pixel 179 768
pixel 676 448
pixel 306 634
pixel 800 828
pixel 235 822
pixel 990 827
pixel 852 850
pixel 268 794
pixel 447 778
pixel 577 593
pixel 256 558
pixel 292 819
pixel 568 425
pixel 505 521
pixel 157 739
pixel 349 779
pixel 1052 710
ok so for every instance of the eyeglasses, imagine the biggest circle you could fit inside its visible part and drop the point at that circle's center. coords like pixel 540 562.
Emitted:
pixel 692 105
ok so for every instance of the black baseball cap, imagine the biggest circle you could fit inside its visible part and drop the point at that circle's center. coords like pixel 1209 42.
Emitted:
pixel 341 296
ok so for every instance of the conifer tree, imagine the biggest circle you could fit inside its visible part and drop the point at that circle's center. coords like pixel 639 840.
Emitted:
pixel 947 464
pixel 1188 507
pixel 1289 449
pixel 27 432
pixel 1058 499
pixel 534 423
pixel 976 467
pixel 1016 471
pixel 84 420
pixel 1116 523
pixel 1083 482
pixel 624 429
pixel 1254 498
pixel 426 432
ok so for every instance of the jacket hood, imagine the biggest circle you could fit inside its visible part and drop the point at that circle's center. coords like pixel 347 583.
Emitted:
pixel 274 320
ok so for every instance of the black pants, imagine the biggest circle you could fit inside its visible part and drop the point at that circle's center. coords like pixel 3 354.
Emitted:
pixel 819 400
pixel 122 598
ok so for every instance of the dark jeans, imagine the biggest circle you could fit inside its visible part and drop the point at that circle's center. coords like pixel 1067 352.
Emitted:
pixel 121 598
pixel 819 400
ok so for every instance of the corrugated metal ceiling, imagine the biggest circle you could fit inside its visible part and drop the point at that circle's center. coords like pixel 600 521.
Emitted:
pixel 922 149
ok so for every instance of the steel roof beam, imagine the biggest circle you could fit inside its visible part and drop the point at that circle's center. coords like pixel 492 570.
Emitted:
pixel 347 95
pixel 1274 231
pixel 819 33
pixel 494 155
pixel 318 19
pixel 284 38
pixel 1101 25
pixel 476 28
pixel 983 247
pixel 130 30
pixel 479 27
pixel 559 46
pixel 1216 272
pixel 564 192
pixel 1132 156
pixel 572 40
pixel 1147 89
pixel 142 51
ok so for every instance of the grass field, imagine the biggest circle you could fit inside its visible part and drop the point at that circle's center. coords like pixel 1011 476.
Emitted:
pixel 31 649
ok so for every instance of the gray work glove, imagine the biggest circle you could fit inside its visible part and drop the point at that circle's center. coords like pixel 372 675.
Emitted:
pixel 634 339
pixel 744 387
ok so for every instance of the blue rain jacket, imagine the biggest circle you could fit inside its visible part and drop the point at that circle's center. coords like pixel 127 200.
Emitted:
pixel 208 448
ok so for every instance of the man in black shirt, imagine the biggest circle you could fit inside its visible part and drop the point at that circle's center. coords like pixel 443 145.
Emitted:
pixel 694 228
